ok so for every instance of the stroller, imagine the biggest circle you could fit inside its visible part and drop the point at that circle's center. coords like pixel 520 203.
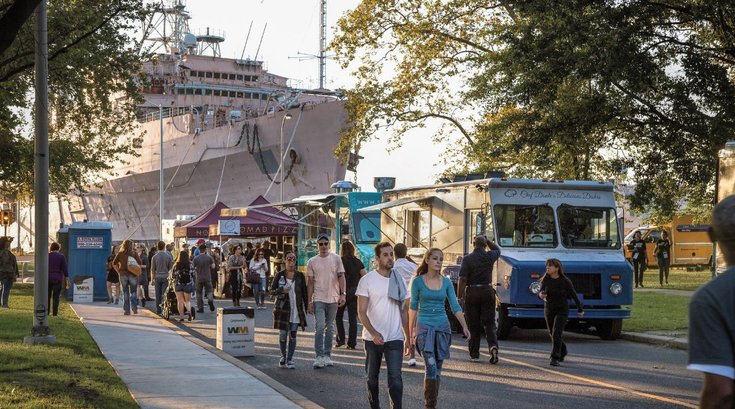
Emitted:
pixel 169 305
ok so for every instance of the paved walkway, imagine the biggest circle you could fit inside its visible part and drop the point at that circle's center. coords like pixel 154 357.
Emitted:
pixel 166 370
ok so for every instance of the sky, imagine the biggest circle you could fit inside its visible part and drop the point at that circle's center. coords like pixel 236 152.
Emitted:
pixel 293 27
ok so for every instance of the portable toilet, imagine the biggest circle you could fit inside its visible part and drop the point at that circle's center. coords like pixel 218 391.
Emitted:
pixel 89 245
pixel 62 237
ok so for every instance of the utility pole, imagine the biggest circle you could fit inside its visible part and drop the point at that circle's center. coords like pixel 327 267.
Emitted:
pixel 40 333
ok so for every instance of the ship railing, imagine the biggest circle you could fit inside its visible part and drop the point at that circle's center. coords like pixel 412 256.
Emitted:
pixel 167 113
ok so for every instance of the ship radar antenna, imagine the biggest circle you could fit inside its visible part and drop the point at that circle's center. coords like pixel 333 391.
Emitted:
pixel 322 56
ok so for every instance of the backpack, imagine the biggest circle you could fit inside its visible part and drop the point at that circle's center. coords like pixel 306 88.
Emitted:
pixel 7 265
pixel 184 276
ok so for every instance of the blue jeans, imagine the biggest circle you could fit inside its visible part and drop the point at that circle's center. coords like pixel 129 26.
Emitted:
pixel 325 314
pixel 129 285
pixel 161 288
pixel 393 352
pixel 433 367
pixel 290 338
pixel 5 285
pixel 259 292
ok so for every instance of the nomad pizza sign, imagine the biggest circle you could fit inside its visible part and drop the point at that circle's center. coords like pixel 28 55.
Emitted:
pixel 259 229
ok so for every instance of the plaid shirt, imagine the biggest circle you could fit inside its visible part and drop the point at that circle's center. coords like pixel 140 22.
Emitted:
pixel 282 306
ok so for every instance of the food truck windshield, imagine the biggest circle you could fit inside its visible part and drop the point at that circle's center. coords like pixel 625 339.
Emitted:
pixel 588 227
pixel 525 226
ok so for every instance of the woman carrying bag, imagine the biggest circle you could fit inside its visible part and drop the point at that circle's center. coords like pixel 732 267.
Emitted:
pixel 289 288
pixel 234 266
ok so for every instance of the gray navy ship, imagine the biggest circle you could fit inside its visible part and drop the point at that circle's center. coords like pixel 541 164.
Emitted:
pixel 223 122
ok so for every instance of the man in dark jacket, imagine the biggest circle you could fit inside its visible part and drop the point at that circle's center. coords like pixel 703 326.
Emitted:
pixel 476 289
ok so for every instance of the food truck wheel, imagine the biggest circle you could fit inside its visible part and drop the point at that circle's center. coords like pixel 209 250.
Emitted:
pixel 504 322
pixel 609 329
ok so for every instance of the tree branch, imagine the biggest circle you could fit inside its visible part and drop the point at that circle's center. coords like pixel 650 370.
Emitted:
pixel 440 116
pixel 12 21
pixel 65 48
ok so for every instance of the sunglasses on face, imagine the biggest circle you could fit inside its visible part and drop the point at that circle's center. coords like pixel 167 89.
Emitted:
pixel 325 243
pixel 291 258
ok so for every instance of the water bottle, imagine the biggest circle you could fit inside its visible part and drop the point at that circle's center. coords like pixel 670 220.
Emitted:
pixel 282 283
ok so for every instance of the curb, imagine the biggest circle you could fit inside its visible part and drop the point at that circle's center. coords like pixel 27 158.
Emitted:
pixel 668 342
pixel 284 390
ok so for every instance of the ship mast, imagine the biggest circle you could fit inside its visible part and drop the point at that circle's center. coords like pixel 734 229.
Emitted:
pixel 322 43
pixel 322 56
pixel 166 28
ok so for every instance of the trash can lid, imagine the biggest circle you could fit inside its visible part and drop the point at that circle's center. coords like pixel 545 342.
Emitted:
pixel 247 311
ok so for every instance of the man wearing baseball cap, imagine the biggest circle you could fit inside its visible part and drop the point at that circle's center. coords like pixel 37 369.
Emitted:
pixel 326 292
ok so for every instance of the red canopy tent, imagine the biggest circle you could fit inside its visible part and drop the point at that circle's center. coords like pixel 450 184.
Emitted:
pixel 199 227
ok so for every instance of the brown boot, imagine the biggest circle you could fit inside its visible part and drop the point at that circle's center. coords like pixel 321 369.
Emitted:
pixel 431 389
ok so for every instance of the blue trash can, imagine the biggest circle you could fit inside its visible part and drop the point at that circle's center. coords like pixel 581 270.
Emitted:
pixel 89 245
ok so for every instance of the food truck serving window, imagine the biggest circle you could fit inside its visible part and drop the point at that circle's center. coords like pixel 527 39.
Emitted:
pixel 588 227
pixel 525 226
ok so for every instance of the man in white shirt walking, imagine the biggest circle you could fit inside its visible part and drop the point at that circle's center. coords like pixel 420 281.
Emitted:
pixel 381 296
pixel 326 291
pixel 407 270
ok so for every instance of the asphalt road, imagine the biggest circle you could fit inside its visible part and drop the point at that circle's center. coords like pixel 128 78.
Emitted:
pixel 596 374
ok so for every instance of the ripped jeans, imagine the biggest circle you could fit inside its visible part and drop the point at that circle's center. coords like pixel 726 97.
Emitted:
pixel 433 367
pixel 433 343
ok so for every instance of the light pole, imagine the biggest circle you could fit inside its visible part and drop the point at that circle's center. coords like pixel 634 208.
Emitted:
pixel 283 121
pixel 160 180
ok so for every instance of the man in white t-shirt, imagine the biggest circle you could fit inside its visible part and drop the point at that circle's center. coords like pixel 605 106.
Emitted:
pixel 385 327
pixel 407 270
pixel 326 291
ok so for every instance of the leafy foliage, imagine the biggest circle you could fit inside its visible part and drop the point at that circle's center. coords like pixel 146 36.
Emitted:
pixel 92 95
pixel 575 90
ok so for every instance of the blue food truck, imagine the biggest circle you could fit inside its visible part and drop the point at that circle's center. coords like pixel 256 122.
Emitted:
pixel 531 220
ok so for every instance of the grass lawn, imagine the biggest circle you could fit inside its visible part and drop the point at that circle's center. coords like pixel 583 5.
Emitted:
pixel 679 279
pixel 657 312
pixel 72 373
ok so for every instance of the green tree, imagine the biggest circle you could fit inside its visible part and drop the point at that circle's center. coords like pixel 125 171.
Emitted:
pixel 93 65
pixel 575 89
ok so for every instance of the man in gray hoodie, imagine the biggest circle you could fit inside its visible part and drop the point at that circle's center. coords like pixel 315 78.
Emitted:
pixel 161 264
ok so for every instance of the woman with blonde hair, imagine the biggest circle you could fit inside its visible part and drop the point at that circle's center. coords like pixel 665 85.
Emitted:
pixel 428 324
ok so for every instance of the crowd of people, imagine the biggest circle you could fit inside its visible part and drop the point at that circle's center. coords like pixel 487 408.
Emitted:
pixel 401 305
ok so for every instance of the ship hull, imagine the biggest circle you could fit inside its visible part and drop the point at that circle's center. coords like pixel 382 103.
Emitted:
pixel 203 167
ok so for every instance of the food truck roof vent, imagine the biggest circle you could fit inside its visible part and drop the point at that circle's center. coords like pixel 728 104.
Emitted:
pixel 384 183
pixel 344 186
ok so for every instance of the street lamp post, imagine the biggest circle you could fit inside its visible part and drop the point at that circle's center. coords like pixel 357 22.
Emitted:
pixel 161 187
pixel 283 121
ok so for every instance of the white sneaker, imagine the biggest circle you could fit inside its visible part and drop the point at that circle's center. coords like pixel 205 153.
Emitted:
pixel 290 365
pixel 318 363
pixel 412 362
pixel 327 360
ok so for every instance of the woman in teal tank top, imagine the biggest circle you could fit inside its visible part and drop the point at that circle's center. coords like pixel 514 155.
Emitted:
pixel 428 325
